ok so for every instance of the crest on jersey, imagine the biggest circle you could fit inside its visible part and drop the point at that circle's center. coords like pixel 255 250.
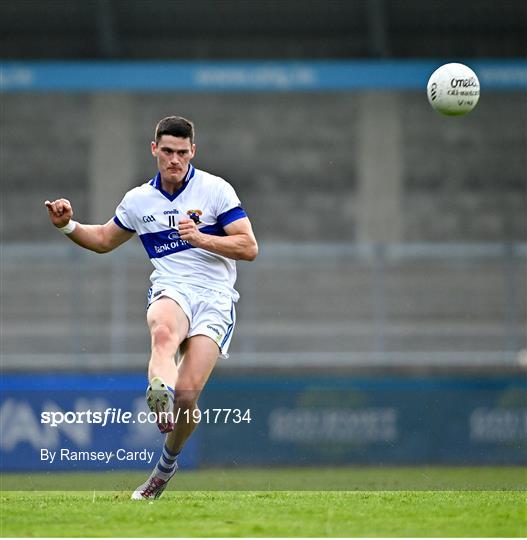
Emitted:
pixel 194 215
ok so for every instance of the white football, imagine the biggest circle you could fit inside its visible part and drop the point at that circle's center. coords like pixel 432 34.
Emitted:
pixel 453 89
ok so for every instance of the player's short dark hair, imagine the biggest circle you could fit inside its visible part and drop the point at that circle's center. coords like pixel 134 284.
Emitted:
pixel 177 126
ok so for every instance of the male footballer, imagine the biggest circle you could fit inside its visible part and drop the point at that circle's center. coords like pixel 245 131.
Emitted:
pixel 193 228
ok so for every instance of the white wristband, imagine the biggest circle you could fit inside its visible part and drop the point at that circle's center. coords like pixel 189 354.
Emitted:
pixel 69 227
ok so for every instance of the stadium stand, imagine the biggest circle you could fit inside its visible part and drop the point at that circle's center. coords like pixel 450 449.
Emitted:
pixel 453 280
pixel 306 153
pixel 273 29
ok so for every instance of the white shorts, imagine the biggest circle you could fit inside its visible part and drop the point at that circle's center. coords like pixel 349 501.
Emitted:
pixel 210 313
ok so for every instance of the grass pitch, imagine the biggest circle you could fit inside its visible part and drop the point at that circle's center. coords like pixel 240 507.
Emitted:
pixel 377 512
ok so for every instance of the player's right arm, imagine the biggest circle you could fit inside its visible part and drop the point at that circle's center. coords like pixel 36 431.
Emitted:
pixel 98 238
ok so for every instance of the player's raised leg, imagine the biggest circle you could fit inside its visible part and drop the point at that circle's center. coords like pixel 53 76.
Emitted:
pixel 194 370
pixel 199 359
pixel 168 326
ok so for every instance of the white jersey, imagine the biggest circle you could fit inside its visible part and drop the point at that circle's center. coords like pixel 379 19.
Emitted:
pixel 154 215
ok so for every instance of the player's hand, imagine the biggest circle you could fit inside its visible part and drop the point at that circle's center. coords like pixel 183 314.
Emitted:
pixel 189 231
pixel 59 212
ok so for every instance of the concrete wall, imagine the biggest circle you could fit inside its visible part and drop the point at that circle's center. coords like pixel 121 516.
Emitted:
pixel 357 167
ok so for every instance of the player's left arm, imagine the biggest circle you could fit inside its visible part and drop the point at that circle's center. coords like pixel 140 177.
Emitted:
pixel 239 244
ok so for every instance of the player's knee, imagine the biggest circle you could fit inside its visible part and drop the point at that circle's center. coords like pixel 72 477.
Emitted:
pixel 163 337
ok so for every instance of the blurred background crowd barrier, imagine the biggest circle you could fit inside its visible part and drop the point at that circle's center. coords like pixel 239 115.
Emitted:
pixel 303 305
pixel 392 240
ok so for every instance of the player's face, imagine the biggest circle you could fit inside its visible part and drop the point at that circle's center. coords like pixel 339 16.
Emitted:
pixel 173 156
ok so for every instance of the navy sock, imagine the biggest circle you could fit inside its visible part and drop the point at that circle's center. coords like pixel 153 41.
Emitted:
pixel 167 464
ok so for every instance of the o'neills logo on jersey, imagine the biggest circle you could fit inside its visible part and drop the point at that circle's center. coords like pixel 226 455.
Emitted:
pixel 194 215
pixel 175 211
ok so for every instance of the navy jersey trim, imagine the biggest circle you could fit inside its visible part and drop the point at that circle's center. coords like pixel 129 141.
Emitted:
pixel 231 215
pixel 118 222
pixel 156 182
pixel 230 327
pixel 215 230
pixel 162 243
